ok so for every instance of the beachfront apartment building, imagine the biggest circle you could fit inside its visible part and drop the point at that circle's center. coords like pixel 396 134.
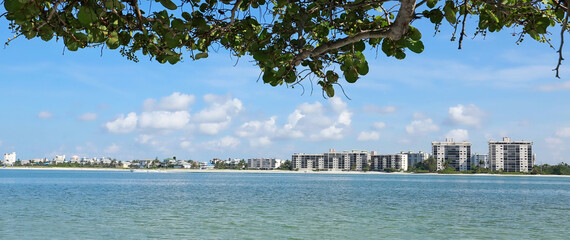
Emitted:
pixel 335 161
pixel 263 163
pixel 456 154
pixel 511 156
pixel 394 161
pixel 480 160
pixel 9 159
pixel 415 157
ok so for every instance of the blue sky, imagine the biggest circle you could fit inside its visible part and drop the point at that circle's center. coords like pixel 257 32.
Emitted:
pixel 95 103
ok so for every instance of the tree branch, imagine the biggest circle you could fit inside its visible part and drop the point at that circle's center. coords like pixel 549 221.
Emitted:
pixel 394 32
pixel 564 27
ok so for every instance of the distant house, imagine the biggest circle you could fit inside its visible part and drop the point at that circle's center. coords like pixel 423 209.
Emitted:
pixel 206 165
pixel 59 159
pixel 125 165
pixel 182 164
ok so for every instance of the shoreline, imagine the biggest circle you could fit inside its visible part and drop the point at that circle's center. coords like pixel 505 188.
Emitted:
pixel 265 171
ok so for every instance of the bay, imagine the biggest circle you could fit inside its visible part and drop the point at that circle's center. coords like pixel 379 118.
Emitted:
pixel 55 204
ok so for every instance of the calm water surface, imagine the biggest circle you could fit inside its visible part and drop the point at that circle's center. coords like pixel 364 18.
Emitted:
pixel 125 205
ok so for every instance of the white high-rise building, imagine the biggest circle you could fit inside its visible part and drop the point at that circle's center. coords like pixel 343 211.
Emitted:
pixel 336 161
pixel 9 159
pixel 511 156
pixel 394 161
pixel 59 159
pixel 414 158
pixel 457 154
pixel 481 160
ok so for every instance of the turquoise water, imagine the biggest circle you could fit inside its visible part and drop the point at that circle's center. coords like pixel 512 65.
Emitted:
pixel 125 205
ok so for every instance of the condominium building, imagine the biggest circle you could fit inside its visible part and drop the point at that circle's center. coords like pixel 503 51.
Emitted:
pixel 480 160
pixel 414 158
pixel 511 156
pixel 395 161
pixel 354 160
pixel 263 163
pixel 456 154
pixel 9 159
pixel 59 159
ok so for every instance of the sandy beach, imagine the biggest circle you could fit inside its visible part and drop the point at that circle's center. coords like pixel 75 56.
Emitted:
pixel 171 170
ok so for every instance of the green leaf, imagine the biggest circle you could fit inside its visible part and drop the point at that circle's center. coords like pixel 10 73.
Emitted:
pixel 72 45
pixel 362 68
pixel 359 46
pixel 431 3
pixel 351 75
pixel 415 34
pixel 113 40
pixel 201 55
pixel 387 47
pixel 329 90
pixel 14 5
pixel 400 54
pixel 450 12
pixel 86 15
pixel 168 4
pixel 415 46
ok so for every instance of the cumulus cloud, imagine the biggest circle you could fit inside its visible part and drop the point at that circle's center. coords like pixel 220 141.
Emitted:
pixel 144 138
pixel 45 115
pixel 123 124
pixel 88 117
pixel 378 109
pixel 223 143
pixel 419 115
pixel 379 125
pixel 563 132
pixel 465 115
pixel 458 135
pixel 164 119
pixel 219 109
pixel 330 133
pixel 260 142
pixel 421 126
pixel 175 102
pixel 213 128
pixel 368 136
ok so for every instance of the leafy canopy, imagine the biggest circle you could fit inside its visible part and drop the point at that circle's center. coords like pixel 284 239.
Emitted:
pixel 289 40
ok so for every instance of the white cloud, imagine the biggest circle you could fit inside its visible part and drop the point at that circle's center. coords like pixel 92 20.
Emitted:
pixel 88 117
pixel 113 148
pixel 164 119
pixel 220 108
pixel 260 142
pixel 123 124
pixel 213 128
pixel 563 132
pixel 458 135
pixel 144 138
pixel 256 128
pixel 223 143
pixel 337 104
pixel 379 125
pixel 45 115
pixel 175 102
pixel 377 109
pixel 345 118
pixel 330 133
pixel 421 126
pixel 368 136
pixel 466 115
pixel 563 86
pixel 313 109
